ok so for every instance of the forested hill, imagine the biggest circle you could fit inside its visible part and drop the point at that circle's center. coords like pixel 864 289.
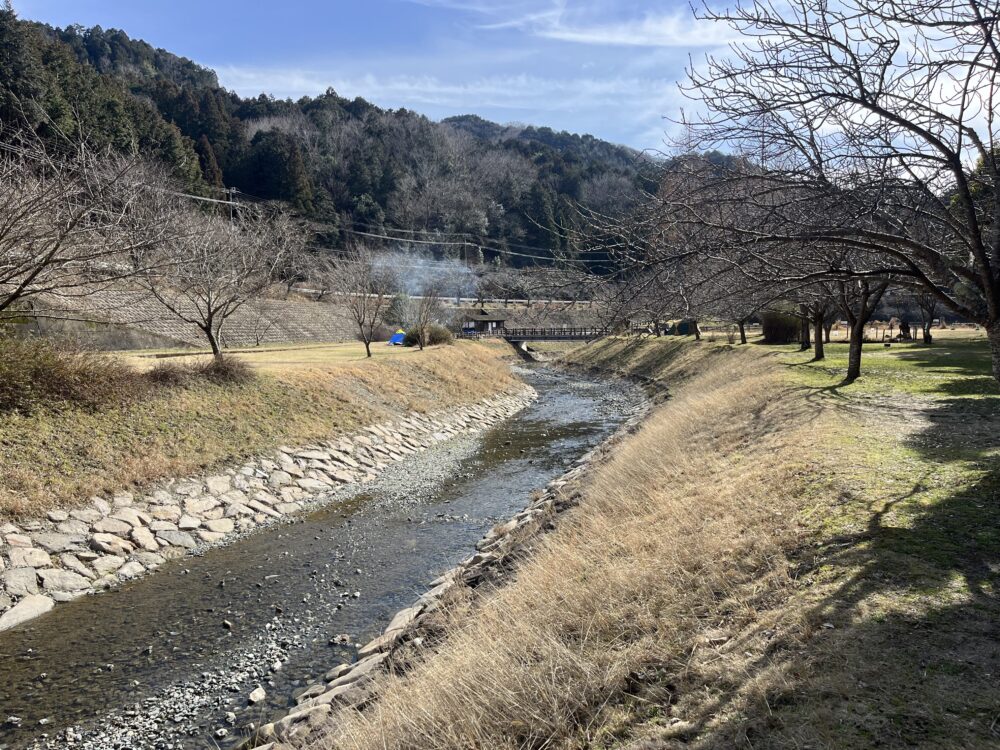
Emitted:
pixel 345 164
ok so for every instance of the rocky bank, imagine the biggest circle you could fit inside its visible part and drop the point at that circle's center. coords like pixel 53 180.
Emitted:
pixel 87 550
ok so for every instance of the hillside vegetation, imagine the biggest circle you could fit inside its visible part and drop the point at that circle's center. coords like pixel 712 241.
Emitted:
pixel 71 444
pixel 345 164
pixel 773 561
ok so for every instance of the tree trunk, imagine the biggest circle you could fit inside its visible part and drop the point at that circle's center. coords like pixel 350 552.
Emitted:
pixel 803 328
pixel 368 348
pixel 818 324
pixel 697 330
pixel 928 336
pixel 743 332
pixel 856 345
pixel 827 328
pixel 213 341
pixel 993 332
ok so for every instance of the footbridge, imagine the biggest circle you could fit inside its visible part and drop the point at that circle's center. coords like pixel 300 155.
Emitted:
pixel 523 335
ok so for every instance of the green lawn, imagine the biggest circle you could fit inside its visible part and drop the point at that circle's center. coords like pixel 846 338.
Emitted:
pixel 956 364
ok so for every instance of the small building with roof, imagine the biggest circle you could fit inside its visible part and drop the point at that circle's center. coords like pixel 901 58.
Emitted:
pixel 480 320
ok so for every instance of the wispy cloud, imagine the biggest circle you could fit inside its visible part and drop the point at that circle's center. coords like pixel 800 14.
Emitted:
pixel 579 104
pixel 593 23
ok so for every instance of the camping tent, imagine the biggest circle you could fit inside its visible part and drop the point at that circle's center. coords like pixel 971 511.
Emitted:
pixel 397 338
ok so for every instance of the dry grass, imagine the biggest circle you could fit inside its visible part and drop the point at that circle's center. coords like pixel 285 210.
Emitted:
pixel 60 455
pixel 771 562
pixel 678 539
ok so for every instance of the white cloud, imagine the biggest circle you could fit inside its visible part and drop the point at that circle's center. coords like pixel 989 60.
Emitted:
pixel 627 109
pixel 593 23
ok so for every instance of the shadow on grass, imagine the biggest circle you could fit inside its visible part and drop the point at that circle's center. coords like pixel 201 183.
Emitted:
pixel 901 642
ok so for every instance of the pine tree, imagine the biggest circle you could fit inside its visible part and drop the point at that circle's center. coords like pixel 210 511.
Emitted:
pixel 209 166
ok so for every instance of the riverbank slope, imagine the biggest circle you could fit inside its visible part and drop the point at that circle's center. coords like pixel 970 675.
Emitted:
pixel 58 454
pixel 774 560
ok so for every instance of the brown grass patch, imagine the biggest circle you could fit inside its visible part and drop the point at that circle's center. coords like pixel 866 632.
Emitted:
pixel 59 456
pixel 679 540
pixel 771 562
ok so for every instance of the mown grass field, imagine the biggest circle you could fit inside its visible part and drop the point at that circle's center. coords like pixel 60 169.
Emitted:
pixel 59 454
pixel 776 560
pixel 277 359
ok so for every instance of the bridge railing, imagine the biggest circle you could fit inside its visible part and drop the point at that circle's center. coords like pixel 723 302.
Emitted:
pixel 553 333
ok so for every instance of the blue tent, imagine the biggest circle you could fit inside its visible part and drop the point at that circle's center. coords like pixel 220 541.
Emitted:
pixel 397 338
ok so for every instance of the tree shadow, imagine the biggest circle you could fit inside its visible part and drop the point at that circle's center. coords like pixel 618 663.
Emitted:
pixel 900 645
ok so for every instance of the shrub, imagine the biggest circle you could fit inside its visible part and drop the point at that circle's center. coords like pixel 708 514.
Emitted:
pixel 779 327
pixel 37 372
pixel 436 335
pixel 221 371
pixel 224 370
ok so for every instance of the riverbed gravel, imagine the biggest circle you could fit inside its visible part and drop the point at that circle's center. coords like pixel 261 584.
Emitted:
pixel 210 707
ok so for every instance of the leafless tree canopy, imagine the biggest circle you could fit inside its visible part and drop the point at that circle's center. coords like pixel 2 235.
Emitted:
pixel 870 128
pixel 73 222
pixel 215 265
pixel 366 285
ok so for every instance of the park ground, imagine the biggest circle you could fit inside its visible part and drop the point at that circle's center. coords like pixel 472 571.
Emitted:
pixel 777 559
pixel 57 451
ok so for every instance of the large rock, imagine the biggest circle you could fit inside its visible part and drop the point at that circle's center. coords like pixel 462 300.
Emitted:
pixel 188 523
pixel 20 581
pixel 150 560
pixel 111 544
pixel 56 580
pixel 57 516
pixel 177 539
pixel 17 539
pixel 74 527
pixel 267 510
pixel 54 542
pixel 86 515
pixel 26 609
pixel 113 526
pixel 107 564
pixel 188 489
pixel 279 478
pixel 72 562
pixel 29 557
pixel 199 505
pixel 210 537
pixel 166 512
pixel 312 485
pixel 265 497
pixel 144 538
pixel 132 517
pixel 220 525
pixel 238 509
pixel 218 485
pixel 131 569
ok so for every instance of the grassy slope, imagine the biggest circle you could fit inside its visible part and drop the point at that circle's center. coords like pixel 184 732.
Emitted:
pixel 59 456
pixel 773 561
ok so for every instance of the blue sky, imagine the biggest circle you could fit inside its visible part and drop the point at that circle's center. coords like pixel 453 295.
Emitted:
pixel 605 67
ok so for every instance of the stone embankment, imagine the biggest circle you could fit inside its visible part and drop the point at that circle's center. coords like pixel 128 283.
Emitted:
pixel 114 539
pixel 353 686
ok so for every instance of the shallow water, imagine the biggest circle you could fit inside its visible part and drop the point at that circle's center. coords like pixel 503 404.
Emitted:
pixel 153 664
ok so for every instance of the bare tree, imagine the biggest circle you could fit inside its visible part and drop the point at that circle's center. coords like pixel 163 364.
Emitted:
pixel 367 286
pixel 426 310
pixel 928 305
pixel 872 127
pixel 216 265
pixel 74 222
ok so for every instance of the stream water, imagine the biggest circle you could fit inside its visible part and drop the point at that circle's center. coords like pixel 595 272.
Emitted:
pixel 168 661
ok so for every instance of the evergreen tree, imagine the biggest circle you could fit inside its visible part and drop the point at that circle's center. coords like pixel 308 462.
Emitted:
pixel 209 166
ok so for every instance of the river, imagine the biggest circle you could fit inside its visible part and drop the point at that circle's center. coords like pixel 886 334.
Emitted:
pixel 168 661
